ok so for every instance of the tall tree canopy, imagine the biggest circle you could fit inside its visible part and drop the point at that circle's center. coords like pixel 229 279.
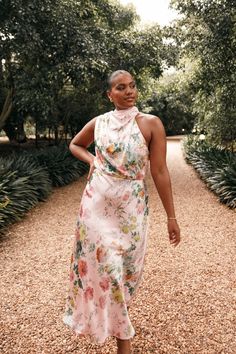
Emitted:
pixel 207 31
pixel 47 46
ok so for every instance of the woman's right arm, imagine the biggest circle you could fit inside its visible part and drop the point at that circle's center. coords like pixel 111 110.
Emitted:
pixel 80 142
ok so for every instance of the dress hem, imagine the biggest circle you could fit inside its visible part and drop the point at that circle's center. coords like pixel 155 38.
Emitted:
pixel 67 321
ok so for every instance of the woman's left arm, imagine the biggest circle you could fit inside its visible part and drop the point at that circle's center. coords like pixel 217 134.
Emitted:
pixel 160 175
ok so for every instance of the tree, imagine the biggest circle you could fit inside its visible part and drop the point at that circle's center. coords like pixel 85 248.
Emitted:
pixel 172 99
pixel 51 45
pixel 46 44
pixel 207 32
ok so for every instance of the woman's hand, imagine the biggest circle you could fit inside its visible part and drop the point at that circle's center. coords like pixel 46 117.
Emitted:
pixel 174 232
pixel 91 169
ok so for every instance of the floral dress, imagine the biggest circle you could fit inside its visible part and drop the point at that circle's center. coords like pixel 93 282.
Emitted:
pixel 110 237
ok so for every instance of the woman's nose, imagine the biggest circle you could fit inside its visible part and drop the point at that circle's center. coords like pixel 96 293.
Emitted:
pixel 129 90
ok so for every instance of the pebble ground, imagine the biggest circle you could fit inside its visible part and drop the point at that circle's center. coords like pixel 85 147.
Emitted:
pixel 186 303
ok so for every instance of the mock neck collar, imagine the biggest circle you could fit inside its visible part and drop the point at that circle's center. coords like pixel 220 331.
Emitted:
pixel 125 113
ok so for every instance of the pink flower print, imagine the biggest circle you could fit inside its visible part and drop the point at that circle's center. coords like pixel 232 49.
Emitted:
pixel 126 292
pixel 122 169
pixel 89 191
pixel 139 175
pixel 82 267
pixel 86 213
pixel 126 196
pixel 140 208
pixel 102 301
pixel 71 275
pixel 101 254
pixel 104 284
pixel 88 294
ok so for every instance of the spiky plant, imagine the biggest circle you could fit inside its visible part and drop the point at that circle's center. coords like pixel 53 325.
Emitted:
pixel 216 166
pixel 61 165
pixel 23 182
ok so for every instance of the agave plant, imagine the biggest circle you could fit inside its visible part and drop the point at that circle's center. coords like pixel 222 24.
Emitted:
pixel 26 178
pixel 23 183
pixel 61 165
pixel 216 166
pixel 223 183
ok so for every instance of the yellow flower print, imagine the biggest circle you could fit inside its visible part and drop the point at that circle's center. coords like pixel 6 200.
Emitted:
pixel 125 229
pixel 132 227
pixel 110 149
pixel 137 237
pixel 75 291
pixel 71 302
pixel 117 295
pixel 141 193
pixel 133 218
pixel 82 232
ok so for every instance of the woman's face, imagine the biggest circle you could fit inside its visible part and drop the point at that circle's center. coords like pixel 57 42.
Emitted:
pixel 123 92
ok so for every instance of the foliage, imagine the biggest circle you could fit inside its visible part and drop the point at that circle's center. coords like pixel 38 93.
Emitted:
pixel 171 99
pixel 27 178
pixel 60 164
pixel 207 31
pixel 23 184
pixel 52 46
pixel 217 167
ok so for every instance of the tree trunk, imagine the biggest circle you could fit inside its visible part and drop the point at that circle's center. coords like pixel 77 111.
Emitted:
pixel 36 133
pixel 56 135
pixel 21 136
pixel 7 108
pixel 10 131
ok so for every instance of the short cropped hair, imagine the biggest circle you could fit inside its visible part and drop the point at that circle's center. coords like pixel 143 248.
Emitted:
pixel 113 75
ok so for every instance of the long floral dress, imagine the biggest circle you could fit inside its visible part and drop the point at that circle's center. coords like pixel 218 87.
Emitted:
pixel 110 237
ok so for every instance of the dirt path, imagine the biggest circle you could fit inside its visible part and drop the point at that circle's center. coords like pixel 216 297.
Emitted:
pixel 185 305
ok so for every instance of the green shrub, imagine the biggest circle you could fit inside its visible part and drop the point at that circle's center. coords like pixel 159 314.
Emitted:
pixel 23 183
pixel 27 178
pixel 62 166
pixel 216 166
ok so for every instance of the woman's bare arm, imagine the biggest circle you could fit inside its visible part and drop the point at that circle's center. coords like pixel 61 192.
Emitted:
pixel 161 177
pixel 158 167
pixel 78 145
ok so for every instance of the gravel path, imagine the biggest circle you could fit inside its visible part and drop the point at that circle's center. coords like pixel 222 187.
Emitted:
pixel 186 303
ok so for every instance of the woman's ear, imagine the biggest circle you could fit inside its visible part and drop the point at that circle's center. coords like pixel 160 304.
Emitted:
pixel 109 96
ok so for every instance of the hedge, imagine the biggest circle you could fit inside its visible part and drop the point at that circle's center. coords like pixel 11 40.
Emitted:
pixel 29 177
pixel 216 167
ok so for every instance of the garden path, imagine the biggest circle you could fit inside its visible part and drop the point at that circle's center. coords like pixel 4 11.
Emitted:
pixel 186 302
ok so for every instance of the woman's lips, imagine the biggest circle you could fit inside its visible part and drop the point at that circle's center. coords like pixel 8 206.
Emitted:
pixel 129 99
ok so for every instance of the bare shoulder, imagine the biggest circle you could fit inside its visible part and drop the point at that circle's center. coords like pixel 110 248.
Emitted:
pixel 91 123
pixel 153 122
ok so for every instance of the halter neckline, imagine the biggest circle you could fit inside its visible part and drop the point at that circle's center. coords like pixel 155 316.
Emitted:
pixel 125 114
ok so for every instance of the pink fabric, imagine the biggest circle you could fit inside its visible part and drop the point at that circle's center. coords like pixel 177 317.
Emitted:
pixel 110 237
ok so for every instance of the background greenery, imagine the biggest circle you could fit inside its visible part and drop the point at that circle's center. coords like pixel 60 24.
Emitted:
pixel 55 57
pixel 54 60
pixel 27 178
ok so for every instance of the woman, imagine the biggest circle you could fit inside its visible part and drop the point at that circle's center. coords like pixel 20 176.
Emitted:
pixel 110 239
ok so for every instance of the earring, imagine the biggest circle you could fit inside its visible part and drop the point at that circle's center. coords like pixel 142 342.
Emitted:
pixel 111 100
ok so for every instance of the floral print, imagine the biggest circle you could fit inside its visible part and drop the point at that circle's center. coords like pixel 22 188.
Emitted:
pixel 110 235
